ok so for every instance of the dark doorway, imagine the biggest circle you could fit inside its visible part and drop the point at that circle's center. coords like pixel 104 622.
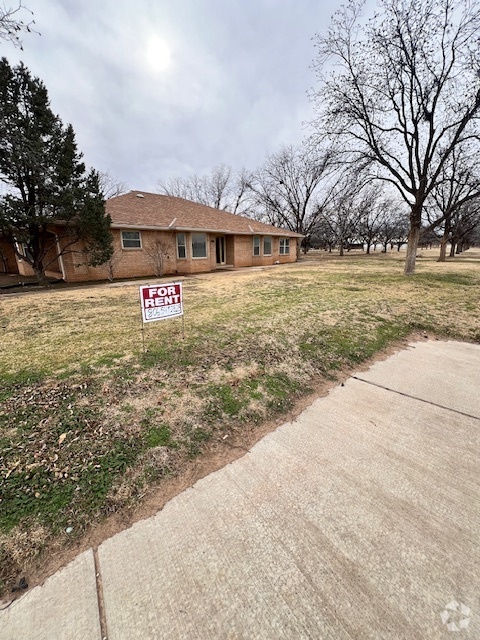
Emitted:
pixel 220 249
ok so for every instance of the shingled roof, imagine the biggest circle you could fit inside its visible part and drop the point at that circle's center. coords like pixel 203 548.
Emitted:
pixel 143 210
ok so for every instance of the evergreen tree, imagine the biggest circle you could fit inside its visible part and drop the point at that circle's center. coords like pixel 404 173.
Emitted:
pixel 46 184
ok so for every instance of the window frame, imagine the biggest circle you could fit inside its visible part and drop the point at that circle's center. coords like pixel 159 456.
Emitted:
pixel 131 248
pixel 265 253
pixel 256 239
pixel 285 245
pixel 23 251
pixel 199 233
pixel 184 246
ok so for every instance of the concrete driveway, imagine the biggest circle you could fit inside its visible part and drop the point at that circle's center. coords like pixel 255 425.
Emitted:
pixel 359 520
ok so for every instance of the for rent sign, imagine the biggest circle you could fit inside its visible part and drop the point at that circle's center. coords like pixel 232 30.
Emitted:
pixel 161 301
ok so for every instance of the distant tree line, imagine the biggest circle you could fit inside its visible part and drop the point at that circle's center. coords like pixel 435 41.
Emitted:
pixel 334 205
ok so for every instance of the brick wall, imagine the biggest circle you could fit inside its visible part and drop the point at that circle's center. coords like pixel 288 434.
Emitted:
pixel 244 252
pixel 51 261
pixel 24 269
pixel 11 262
pixel 133 263
pixel 125 262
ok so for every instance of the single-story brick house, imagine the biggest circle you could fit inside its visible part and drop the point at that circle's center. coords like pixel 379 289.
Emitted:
pixel 154 233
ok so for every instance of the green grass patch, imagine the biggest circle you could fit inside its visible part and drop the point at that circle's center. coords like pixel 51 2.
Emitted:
pixel 462 279
pixel 281 390
pixel 158 437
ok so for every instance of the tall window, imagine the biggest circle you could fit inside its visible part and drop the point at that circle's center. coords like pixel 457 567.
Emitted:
pixel 181 245
pixel 284 246
pixel 131 240
pixel 199 245
pixel 267 246
pixel 256 246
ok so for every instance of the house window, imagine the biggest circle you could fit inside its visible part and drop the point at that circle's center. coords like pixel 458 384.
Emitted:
pixel 199 245
pixel 24 250
pixel 131 240
pixel 267 246
pixel 256 246
pixel 284 246
pixel 181 245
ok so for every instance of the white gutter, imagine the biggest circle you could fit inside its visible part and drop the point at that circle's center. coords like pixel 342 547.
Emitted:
pixel 145 227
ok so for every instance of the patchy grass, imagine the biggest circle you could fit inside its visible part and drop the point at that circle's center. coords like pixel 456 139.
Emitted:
pixel 88 421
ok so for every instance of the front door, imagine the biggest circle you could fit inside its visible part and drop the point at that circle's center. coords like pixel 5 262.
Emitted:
pixel 220 249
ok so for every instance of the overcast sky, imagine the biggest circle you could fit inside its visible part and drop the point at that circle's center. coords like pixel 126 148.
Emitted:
pixel 160 88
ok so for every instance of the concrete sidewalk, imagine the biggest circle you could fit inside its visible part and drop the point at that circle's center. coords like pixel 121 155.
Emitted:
pixel 359 520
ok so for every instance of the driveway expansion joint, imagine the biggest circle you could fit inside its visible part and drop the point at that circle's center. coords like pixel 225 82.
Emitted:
pixel 407 395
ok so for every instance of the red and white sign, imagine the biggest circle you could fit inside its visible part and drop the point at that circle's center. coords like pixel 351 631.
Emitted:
pixel 161 301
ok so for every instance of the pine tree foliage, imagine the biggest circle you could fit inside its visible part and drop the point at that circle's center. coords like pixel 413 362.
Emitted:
pixel 45 183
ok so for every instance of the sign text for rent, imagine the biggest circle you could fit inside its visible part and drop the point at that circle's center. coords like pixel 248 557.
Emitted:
pixel 161 301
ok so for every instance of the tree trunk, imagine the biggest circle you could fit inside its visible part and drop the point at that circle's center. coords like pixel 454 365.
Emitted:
pixel 412 245
pixel 443 248
pixel 42 278
pixel 452 248
pixel 4 262
pixel 368 247
pixel 341 248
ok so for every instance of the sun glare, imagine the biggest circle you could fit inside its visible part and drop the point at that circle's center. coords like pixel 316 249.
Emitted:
pixel 157 54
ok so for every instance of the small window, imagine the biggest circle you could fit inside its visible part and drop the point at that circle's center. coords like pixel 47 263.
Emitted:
pixel 284 246
pixel 199 245
pixel 256 246
pixel 131 240
pixel 267 246
pixel 181 246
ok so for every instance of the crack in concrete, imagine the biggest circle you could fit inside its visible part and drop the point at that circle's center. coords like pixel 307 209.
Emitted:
pixel 407 395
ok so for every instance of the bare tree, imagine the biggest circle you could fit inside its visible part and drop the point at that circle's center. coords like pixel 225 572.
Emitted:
pixel 391 225
pixel 222 188
pixel 286 188
pixel 403 92
pixel 112 264
pixel 464 224
pixel 109 186
pixel 370 213
pixel 340 216
pixel 458 184
pixel 12 25
pixel 158 252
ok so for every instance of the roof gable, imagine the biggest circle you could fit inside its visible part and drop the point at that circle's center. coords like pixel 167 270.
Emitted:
pixel 140 209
